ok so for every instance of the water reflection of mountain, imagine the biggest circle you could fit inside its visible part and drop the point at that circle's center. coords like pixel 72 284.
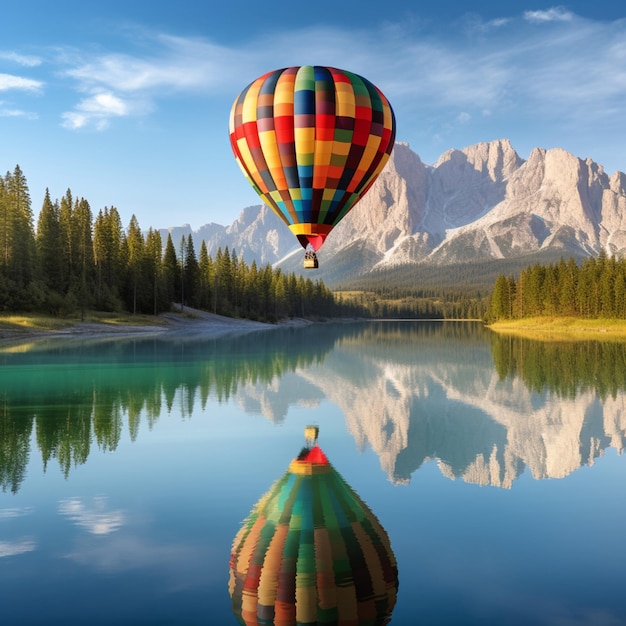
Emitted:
pixel 422 392
pixel 414 392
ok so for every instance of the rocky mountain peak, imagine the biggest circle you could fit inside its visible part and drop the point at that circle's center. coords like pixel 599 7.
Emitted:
pixel 482 202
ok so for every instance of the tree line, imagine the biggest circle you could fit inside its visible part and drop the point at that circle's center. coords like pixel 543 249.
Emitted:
pixel 72 262
pixel 595 288
pixel 402 303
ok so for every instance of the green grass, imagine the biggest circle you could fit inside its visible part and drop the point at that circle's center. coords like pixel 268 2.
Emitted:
pixel 563 328
pixel 36 321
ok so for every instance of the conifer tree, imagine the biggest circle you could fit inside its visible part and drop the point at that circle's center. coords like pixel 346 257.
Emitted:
pixel 84 257
pixel 567 277
pixel 191 273
pixel 500 306
pixel 181 270
pixel 620 290
pixel 154 250
pixel 5 223
pixel 606 288
pixel 20 239
pixel 135 261
pixel 48 242
pixel 205 272
pixel 171 273
pixel 108 257
pixel 66 250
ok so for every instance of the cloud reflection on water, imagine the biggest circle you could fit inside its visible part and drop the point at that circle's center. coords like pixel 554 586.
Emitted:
pixel 96 519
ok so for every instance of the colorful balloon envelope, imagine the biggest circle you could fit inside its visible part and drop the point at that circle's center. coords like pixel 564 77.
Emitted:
pixel 312 553
pixel 311 140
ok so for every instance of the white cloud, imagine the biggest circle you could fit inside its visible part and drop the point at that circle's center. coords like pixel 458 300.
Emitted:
pixel 8 81
pixel 178 64
pixel 506 69
pixel 29 115
pixel 96 111
pixel 96 519
pixel 21 59
pixel 555 14
pixel 13 548
pixel 14 512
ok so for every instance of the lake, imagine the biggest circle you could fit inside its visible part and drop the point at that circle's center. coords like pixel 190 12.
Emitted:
pixel 493 464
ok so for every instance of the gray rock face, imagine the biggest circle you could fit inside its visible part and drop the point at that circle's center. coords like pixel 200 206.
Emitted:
pixel 479 203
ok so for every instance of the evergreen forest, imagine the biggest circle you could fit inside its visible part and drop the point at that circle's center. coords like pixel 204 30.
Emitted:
pixel 593 289
pixel 72 262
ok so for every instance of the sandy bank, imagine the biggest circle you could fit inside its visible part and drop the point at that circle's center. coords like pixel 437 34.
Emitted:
pixel 188 322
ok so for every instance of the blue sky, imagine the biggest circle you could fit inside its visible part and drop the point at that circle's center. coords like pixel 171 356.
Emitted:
pixel 127 103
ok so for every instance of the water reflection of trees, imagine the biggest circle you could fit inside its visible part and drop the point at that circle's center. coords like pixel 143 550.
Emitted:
pixel 565 368
pixel 413 391
pixel 77 394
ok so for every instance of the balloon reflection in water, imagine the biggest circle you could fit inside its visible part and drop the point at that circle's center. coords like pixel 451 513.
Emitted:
pixel 311 552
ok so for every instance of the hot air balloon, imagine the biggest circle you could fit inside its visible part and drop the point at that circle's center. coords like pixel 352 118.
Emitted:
pixel 312 553
pixel 311 140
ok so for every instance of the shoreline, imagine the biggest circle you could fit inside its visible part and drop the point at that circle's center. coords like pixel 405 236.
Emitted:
pixel 188 322
pixel 562 328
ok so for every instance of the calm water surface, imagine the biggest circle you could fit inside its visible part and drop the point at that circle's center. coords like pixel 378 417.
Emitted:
pixel 127 467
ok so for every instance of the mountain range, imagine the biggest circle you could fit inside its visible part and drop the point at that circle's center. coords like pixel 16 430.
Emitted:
pixel 481 204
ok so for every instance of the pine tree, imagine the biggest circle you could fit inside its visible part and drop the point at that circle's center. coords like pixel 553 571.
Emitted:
pixel 5 223
pixel 68 243
pixel 20 250
pixel 154 268
pixel 48 241
pixel 607 288
pixel 181 271
pixel 567 278
pixel 171 273
pixel 84 256
pixel 223 282
pixel 108 257
pixel 585 288
pixel 205 270
pixel 500 305
pixel 135 262
pixel 191 273
pixel 620 290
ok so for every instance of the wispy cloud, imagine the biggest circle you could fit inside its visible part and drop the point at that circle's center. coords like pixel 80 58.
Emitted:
pixel 20 59
pixel 506 66
pixel 11 513
pixel 95 519
pixel 555 14
pixel 9 112
pixel 96 110
pixel 9 81
pixel 175 64
pixel 122 85
pixel 13 548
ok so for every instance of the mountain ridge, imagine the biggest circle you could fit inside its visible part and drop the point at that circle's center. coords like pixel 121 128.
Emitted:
pixel 482 203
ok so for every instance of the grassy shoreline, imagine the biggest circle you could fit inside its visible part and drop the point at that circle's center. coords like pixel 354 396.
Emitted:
pixel 553 328
pixel 33 322
pixel 556 328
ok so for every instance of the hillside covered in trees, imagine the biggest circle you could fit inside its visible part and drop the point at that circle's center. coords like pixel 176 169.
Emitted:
pixel 594 289
pixel 74 262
